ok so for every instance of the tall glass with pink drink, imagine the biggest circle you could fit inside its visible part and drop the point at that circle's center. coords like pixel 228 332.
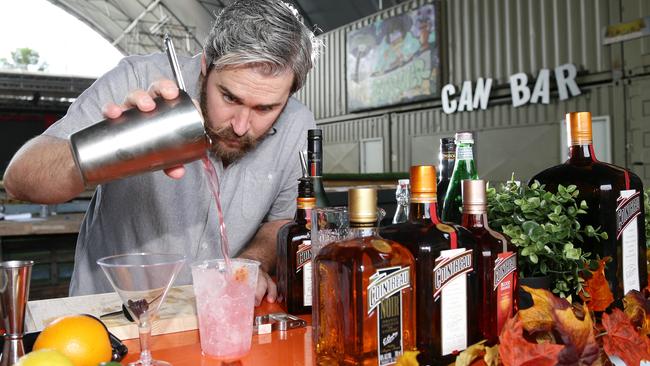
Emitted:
pixel 225 301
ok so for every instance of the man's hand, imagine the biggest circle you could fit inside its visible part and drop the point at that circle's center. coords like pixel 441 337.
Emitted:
pixel 262 248
pixel 143 100
pixel 265 286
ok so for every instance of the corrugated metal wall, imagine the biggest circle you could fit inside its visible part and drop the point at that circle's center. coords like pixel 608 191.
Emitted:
pixel 356 130
pixel 482 38
pixel 492 38
pixel 431 124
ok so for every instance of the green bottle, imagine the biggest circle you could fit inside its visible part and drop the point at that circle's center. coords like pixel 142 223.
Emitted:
pixel 464 168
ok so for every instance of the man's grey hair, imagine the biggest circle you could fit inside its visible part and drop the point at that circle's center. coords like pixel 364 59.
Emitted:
pixel 267 34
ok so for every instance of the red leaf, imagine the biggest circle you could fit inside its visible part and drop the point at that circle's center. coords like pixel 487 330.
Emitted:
pixel 622 340
pixel 515 350
pixel 600 295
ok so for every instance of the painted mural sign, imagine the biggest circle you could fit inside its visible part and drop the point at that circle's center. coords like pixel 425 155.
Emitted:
pixel 393 60
pixel 477 96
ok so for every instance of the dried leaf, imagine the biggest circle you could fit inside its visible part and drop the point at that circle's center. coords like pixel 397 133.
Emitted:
pixel 622 340
pixel 600 295
pixel 472 352
pixel 491 357
pixel 408 358
pixel 553 315
pixel 637 308
pixel 515 350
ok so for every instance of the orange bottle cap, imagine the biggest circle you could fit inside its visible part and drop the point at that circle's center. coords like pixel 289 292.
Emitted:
pixel 423 183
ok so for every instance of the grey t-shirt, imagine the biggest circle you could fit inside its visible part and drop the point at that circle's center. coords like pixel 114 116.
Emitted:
pixel 153 213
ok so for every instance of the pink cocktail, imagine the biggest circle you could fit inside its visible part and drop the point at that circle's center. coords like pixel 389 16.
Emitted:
pixel 225 301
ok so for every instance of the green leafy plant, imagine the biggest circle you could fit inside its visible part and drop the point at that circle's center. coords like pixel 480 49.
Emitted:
pixel 545 229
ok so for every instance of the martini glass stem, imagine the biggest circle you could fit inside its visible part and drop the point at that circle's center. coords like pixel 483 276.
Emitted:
pixel 144 328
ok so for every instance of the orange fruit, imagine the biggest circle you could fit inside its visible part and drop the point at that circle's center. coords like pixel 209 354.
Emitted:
pixel 84 340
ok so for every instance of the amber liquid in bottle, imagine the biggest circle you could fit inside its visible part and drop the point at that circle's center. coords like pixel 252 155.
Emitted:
pixel 294 266
pixel 615 199
pixel 365 297
pixel 496 266
pixel 429 240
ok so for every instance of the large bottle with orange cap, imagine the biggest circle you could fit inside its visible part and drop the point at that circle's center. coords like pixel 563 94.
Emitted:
pixel 615 199
pixel 446 278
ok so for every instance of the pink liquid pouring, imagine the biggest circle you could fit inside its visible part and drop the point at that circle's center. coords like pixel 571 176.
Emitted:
pixel 213 180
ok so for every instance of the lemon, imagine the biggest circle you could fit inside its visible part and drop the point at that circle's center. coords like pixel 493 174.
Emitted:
pixel 82 339
pixel 44 357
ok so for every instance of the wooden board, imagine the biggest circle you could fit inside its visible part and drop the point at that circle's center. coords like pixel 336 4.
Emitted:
pixel 177 313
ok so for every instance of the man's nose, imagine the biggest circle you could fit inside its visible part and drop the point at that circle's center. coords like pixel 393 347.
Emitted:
pixel 241 121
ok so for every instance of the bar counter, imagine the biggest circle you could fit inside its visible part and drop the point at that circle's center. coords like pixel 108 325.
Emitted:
pixel 292 347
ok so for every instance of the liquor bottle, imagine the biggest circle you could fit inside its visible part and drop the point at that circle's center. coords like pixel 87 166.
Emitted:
pixel 402 194
pixel 294 267
pixel 496 265
pixel 614 196
pixel 365 293
pixel 446 280
pixel 315 163
pixel 446 161
pixel 464 168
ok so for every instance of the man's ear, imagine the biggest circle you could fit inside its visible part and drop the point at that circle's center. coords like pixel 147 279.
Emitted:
pixel 204 67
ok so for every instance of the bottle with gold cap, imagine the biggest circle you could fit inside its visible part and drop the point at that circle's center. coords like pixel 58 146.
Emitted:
pixel 464 168
pixel 365 293
pixel 496 266
pixel 614 196
pixel 446 278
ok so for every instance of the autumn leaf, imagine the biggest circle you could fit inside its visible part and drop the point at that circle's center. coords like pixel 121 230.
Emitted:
pixel 408 358
pixel 553 315
pixel 491 357
pixel 515 350
pixel 637 308
pixel 622 340
pixel 599 294
pixel 472 352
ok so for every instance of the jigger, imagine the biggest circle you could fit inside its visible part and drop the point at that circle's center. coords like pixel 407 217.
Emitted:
pixel 14 292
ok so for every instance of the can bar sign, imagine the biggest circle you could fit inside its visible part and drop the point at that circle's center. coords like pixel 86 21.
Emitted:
pixel 477 98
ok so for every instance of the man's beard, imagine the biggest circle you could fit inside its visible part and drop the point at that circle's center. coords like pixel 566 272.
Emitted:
pixel 227 155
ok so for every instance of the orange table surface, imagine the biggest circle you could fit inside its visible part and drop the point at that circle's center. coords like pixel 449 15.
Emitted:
pixel 293 347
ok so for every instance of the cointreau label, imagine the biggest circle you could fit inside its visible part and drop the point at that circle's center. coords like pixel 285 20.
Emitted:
pixel 628 209
pixel 505 269
pixel 385 295
pixel 450 288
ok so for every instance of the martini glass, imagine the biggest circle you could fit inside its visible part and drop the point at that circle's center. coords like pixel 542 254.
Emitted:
pixel 142 280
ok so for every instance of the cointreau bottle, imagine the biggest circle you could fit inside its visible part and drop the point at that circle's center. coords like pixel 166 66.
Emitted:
pixel 447 320
pixel 446 161
pixel 464 168
pixel 294 266
pixel 615 199
pixel 315 165
pixel 496 265
pixel 365 293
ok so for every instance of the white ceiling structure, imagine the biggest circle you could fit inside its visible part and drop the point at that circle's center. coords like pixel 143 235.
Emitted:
pixel 137 26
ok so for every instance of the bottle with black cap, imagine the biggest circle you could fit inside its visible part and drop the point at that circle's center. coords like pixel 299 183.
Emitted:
pixel 315 164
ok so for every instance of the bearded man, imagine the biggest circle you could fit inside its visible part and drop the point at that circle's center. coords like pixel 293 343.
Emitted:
pixel 257 55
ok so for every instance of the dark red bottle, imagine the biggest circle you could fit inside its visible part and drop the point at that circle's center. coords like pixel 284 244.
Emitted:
pixel 615 199
pixel 496 266
pixel 446 279
pixel 294 255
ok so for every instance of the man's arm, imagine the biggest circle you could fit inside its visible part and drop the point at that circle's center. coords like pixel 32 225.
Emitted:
pixel 43 171
pixel 262 248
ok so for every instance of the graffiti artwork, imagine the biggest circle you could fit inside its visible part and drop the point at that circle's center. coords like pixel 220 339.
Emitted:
pixel 393 61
